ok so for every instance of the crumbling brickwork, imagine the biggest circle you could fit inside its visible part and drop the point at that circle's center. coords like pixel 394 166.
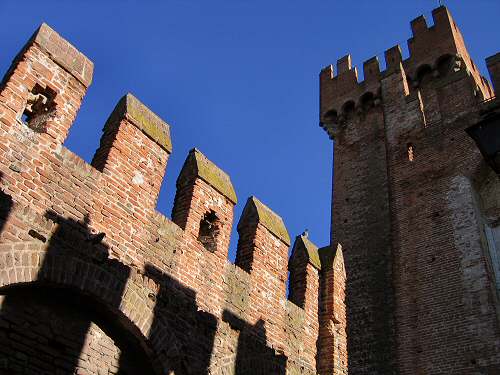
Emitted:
pixel 415 207
pixel 93 280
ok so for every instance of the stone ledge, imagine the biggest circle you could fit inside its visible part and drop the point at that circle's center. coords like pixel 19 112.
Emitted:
pixel 64 53
pixel 256 211
pixel 330 255
pixel 310 248
pixel 198 165
pixel 143 118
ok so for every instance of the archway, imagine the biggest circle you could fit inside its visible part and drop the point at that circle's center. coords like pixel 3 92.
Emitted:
pixel 46 329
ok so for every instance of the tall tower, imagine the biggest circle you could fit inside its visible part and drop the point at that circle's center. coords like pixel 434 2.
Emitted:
pixel 415 207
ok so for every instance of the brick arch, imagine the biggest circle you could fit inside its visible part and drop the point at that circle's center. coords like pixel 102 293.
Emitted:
pixel 330 116
pixel 348 107
pixel 366 101
pixel 25 264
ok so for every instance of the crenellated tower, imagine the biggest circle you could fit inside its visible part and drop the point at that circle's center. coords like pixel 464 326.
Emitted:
pixel 409 198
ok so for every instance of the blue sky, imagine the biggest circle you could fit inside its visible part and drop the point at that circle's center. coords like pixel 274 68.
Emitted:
pixel 237 79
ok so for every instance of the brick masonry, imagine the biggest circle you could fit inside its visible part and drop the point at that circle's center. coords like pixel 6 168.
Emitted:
pixel 93 280
pixel 412 200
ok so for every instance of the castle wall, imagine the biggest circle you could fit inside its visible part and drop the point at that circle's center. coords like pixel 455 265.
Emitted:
pixel 445 319
pixel 361 225
pixel 166 288
pixel 417 170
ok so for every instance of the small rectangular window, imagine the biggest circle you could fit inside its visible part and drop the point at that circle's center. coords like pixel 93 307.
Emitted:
pixel 411 151
pixel 209 230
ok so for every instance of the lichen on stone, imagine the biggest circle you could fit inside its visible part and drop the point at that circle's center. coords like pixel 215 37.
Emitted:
pixel 197 165
pixel 144 119
pixel 302 243
pixel 257 211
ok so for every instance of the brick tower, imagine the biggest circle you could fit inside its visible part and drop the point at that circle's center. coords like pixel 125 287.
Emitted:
pixel 415 207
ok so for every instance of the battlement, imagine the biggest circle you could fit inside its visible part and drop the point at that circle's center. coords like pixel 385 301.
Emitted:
pixel 435 52
pixel 143 118
pixel 63 53
pixel 114 199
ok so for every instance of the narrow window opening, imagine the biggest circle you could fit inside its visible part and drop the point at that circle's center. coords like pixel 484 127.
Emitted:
pixel 411 151
pixel 39 108
pixel 209 230
pixel 367 101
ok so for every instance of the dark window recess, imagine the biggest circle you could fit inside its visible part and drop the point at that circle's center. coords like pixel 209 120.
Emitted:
pixel 424 75
pixel 330 117
pixel 349 109
pixel 39 108
pixel 445 65
pixel 367 101
pixel 209 230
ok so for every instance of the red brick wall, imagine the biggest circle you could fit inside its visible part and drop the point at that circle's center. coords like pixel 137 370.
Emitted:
pixel 425 279
pixel 93 231
pixel 49 332
pixel 304 292
pixel 332 342
pixel 493 63
pixel 438 255
pixel 360 206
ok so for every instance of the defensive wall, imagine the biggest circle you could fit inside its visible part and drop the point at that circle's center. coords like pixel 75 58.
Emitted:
pixel 95 280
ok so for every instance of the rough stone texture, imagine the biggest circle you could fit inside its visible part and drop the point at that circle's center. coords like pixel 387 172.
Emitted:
pixel 93 280
pixel 410 207
pixel 360 178
pixel 339 89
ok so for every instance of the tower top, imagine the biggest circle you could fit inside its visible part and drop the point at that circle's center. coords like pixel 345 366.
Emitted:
pixel 430 49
